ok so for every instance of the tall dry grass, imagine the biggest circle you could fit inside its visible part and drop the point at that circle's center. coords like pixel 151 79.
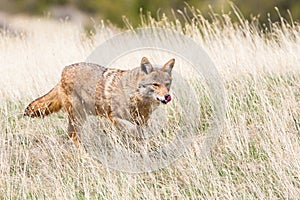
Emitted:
pixel 256 157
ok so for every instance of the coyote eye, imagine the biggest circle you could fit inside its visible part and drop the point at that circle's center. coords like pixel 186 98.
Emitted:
pixel 155 84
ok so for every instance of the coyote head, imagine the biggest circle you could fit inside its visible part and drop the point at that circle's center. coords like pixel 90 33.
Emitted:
pixel 156 82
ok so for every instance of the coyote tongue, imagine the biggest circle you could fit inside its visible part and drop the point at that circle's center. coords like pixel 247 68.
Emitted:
pixel 168 98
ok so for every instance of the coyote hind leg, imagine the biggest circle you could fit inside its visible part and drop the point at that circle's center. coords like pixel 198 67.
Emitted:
pixel 73 130
pixel 74 125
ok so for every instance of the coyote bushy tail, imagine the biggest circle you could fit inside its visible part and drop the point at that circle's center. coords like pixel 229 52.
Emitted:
pixel 45 105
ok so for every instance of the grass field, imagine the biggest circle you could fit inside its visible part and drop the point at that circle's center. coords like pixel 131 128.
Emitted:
pixel 256 157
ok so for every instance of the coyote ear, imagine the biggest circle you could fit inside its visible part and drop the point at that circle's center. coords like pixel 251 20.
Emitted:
pixel 146 66
pixel 169 66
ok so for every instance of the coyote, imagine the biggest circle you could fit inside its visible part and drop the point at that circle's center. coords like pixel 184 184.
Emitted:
pixel 126 97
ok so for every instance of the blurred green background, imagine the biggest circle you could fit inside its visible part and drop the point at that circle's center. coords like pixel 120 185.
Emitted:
pixel 114 10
